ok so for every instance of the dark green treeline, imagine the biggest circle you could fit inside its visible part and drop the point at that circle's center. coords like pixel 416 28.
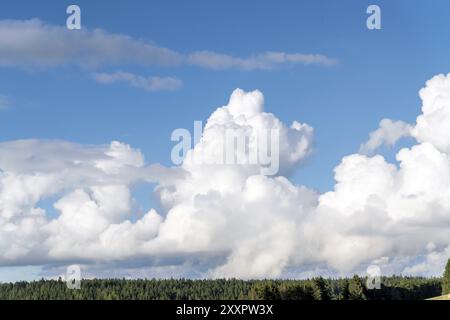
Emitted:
pixel 393 288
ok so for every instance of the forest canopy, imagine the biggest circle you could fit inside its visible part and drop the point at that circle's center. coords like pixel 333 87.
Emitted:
pixel 392 288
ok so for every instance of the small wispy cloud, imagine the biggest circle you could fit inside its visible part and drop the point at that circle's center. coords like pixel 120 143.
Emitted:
pixel 5 102
pixel 35 44
pixel 388 133
pixel 264 61
pixel 137 81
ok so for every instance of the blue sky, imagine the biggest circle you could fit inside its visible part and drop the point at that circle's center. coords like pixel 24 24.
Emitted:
pixel 378 74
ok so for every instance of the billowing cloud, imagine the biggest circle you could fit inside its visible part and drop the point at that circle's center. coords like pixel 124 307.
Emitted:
pixel 93 200
pixel 397 211
pixel 35 44
pixel 432 124
pixel 229 220
pixel 232 209
pixel 388 133
pixel 146 83
pixel 92 186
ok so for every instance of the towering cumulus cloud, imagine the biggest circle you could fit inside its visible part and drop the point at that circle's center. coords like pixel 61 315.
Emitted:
pixel 229 220
pixel 249 218
pixel 400 212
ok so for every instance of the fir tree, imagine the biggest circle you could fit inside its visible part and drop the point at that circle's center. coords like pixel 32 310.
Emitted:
pixel 345 295
pixel 265 290
pixel 356 289
pixel 321 291
pixel 446 279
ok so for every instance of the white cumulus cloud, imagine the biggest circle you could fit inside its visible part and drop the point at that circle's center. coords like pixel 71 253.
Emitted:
pixel 432 124
pixel 229 220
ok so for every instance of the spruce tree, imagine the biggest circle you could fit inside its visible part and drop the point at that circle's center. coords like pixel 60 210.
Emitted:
pixel 356 288
pixel 446 279
pixel 265 290
pixel 320 289
pixel 345 294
